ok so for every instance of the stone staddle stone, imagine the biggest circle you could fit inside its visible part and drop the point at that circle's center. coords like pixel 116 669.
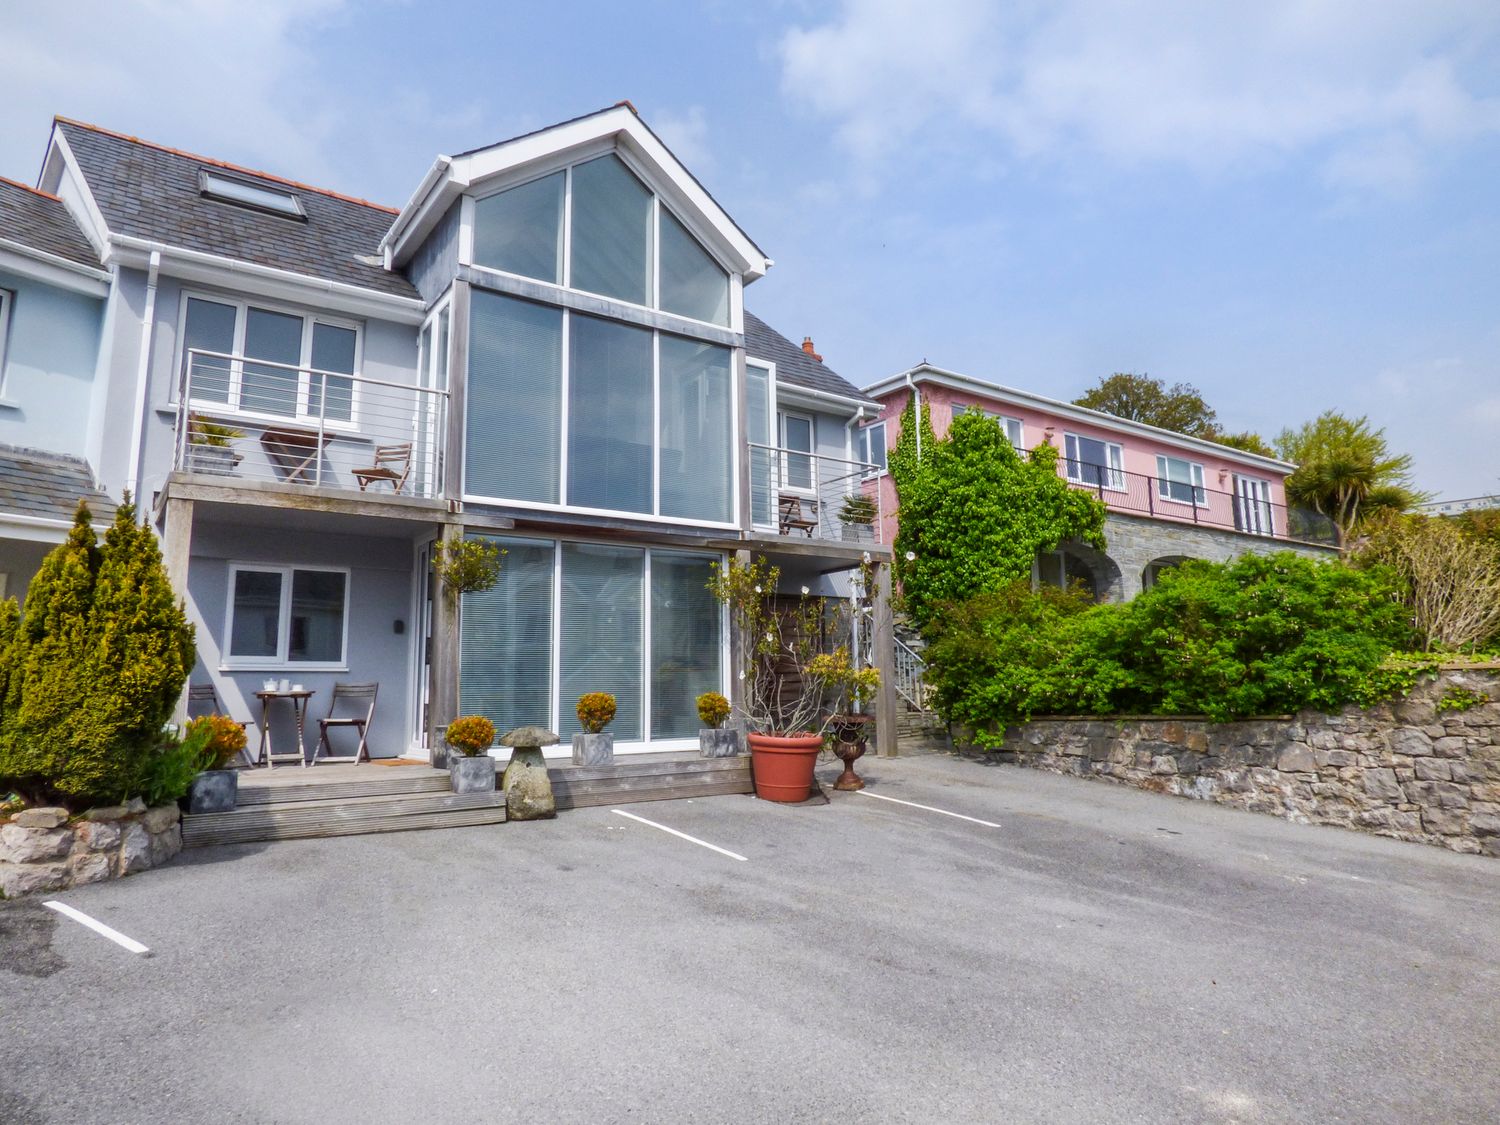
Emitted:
pixel 527 788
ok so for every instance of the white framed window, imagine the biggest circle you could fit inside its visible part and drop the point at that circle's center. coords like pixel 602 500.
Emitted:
pixel 869 445
pixel 797 438
pixel 1253 513
pixel 1094 462
pixel 7 298
pixel 248 193
pixel 269 362
pixel 280 616
pixel 1180 481
pixel 596 226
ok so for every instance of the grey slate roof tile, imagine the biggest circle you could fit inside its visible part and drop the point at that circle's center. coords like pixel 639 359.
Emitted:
pixel 49 485
pixel 153 192
pixel 793 365
pixel 41 221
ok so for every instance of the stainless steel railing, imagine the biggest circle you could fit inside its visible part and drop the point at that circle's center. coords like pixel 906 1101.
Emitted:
pixel 810 495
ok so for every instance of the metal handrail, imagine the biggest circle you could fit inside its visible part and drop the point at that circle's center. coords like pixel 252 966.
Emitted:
pixel 908 672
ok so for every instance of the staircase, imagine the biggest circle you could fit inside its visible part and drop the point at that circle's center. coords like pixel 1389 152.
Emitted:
pixel 293 804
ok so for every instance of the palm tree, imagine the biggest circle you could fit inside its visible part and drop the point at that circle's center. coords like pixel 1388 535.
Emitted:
pixel 1345 471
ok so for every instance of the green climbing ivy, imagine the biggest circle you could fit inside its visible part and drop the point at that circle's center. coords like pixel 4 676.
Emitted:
pixel 974 513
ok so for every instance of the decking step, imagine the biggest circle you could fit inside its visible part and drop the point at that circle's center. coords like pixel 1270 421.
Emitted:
pixel 272 790
pixel 346 816
pixel 631 782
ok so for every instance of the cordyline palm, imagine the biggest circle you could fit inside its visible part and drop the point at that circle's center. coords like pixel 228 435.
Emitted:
pixel 1345 471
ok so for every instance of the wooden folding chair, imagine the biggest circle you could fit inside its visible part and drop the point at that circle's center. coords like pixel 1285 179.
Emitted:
pixel 353 705
pixel 795 516
pixel 392 465
pixel 203 699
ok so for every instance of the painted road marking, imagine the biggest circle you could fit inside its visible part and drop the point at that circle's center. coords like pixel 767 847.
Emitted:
pixel 681 835
pixel 927 808
pixel 98 927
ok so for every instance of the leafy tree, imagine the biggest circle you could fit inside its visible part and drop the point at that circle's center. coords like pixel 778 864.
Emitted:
pixel 94 667
pixel 1139 398
pixel 1248 441
pixel 973 514
pixel 1345 470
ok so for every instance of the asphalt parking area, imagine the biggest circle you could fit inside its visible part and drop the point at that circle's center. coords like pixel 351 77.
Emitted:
pixel 1058 950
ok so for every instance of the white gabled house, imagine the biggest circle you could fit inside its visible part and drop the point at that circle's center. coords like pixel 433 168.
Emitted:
pixel 547 346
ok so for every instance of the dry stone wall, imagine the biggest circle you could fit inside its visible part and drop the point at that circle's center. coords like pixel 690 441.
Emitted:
pixel 42 850
pixel 1409 769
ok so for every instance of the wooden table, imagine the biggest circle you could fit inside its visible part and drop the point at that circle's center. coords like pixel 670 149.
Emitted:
pixel 298 700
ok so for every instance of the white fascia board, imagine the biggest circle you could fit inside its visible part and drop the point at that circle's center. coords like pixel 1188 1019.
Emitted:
pixel 791 394
pixel 619 124
pixel 76 196
pixel 33 529
pixel 267 281
pixel 926 373
pixel 420 213
pixel 50 269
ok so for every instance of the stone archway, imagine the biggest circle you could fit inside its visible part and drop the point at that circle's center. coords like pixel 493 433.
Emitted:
pixel 1075 562
pixel 1153 569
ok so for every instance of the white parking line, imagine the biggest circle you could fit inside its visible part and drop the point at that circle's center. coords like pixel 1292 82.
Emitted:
pixel 98 927
pixel 927 808
pixel 681 835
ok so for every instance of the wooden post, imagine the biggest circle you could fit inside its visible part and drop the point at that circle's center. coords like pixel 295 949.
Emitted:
pixel 883 642
pixel 176 553
pixel 442 708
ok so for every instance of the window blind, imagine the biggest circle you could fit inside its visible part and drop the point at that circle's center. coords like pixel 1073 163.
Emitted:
pixel 505 641
pixel 514 423
pixel 696 441
pixel 602 633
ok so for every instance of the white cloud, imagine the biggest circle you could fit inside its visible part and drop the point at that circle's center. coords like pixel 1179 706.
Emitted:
pixel 1366 88
pixel 686 134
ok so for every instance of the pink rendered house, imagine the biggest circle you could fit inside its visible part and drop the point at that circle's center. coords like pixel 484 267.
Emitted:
pixel 1170 497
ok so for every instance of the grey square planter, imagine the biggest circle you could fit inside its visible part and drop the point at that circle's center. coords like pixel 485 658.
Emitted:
pixel 723 742
pixel 594 749
pixel 214 791
pixel 471 775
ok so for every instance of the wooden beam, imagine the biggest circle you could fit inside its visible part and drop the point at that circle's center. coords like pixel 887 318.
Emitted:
pixel 443 706
pixel 263 494
pixel 176 555
pixel 458 386
pixel 884 642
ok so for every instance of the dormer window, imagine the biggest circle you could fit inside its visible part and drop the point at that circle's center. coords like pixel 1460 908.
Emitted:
pixel 621 239
pixel 247 193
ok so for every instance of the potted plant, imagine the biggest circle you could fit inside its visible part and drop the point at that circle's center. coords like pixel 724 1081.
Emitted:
pixel 209 449
pixel 783 683
pixel 714 739
pixel 595 746
pixel 218 739
pixel 470 767
pixel 850 690
pixel 857 514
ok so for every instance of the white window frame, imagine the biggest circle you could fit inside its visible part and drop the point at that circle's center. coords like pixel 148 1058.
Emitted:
pixel 1115 470
pixel 230 663
pixel 273 201
pixel 1195 484
pixel 862 447
pixel 7 299
pixel 1260 503
pixel 304 378
pixel 787 452
pixel 566 165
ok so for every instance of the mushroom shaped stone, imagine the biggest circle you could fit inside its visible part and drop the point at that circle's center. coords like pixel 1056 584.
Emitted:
pixel 527 788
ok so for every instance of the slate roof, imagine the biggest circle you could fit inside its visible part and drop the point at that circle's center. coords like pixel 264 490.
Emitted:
pixel 41 221
pixel 150 191
pixel 33 483
pixel 793 365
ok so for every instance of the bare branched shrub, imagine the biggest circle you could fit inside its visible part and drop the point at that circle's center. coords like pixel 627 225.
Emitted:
pixel 1452 579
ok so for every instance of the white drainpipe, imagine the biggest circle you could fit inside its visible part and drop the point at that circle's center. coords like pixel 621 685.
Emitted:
pixel 142 377
pixel 916 413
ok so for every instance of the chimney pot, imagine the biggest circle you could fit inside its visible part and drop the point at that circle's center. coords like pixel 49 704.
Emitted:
pixel 807 346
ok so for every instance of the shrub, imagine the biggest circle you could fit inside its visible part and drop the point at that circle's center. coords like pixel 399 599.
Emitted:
pixel 1264 634
pixel 713 709
pixel 1451 576
pixel 595 710
pixel 94 667
pixel 223 739
pixel 167 770
pixel 470 735
pixel 467 566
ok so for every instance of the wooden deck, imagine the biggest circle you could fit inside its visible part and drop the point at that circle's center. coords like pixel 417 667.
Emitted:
pixel 293 802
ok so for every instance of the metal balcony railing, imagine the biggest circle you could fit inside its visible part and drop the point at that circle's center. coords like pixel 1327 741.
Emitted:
pixel 802 494
pixel 246 419
pixel 1185 502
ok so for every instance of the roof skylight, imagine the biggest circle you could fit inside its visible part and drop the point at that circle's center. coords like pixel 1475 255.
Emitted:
pixel 263 198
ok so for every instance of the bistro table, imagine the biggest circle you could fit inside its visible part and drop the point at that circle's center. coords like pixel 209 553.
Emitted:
pixel 298 700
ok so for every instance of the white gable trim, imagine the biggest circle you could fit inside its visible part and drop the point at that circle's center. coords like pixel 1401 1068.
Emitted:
pixel 450 177
pixel 62 176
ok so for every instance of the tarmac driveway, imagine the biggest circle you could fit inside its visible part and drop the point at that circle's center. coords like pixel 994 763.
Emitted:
pixel 1059 950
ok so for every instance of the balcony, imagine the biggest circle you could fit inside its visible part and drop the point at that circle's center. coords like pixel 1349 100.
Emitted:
pixel 808 495
pixel 249 420
pixel 1181 502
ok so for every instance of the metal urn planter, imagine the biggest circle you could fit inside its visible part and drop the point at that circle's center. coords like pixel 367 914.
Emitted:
pixel 850 733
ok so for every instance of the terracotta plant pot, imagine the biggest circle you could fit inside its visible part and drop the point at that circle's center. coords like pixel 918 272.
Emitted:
pixel 783 765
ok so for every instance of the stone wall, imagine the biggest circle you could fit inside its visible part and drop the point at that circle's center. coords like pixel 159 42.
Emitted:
pixel 1404 769
pixel 42 850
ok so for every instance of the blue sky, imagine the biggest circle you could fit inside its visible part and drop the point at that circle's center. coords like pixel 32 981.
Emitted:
pixel 1293 206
